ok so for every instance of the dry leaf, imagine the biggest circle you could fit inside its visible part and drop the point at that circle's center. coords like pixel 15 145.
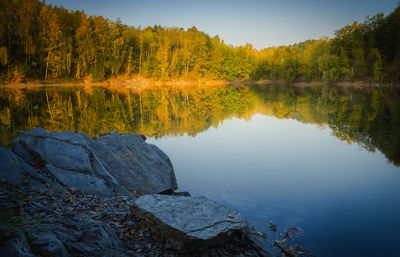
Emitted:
pixel 261 234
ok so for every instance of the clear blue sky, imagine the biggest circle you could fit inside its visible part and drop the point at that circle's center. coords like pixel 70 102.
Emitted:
pixel 262 23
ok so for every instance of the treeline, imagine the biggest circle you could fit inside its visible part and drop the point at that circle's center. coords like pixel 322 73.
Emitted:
pixel 38 41
pixel 47 42
pixel 361 51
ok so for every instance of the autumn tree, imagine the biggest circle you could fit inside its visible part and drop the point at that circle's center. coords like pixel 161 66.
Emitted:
pixel 51 37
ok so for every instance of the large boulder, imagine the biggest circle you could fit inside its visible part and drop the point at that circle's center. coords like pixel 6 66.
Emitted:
pixel 188 223
pixel 134 163
pixel 112 163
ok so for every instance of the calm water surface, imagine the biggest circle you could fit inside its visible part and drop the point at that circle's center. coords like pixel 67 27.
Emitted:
pixel 321 158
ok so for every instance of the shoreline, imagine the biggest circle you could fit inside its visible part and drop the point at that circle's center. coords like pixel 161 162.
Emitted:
pixel 48 210
pixel 142 84
pixel 135 82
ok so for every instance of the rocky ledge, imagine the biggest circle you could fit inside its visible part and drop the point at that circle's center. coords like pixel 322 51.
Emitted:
pixel 108 164
pixel 66 194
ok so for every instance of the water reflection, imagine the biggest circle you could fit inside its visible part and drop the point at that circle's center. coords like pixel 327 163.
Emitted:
pixel 367 116
pixel 295 174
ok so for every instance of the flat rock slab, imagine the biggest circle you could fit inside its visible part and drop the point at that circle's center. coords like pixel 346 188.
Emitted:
pixel 188 223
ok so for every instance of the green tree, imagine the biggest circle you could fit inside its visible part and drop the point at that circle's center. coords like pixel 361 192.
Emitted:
pixel 329 66
pixel 377 65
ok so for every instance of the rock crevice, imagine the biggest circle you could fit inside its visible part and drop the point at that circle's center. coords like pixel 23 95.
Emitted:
pixel 213 225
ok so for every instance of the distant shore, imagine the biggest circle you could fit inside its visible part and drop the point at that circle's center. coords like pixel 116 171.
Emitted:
pixel 143 82
pixel 115 82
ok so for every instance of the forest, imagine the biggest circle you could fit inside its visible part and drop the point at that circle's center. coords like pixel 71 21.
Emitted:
pixel 49 43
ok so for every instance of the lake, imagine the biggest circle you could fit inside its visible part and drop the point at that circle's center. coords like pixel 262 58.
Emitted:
pixel 325 159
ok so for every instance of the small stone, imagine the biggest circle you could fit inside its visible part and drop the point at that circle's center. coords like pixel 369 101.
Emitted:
pixel 138 246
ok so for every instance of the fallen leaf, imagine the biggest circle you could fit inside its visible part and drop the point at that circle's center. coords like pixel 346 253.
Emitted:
pixel 261 234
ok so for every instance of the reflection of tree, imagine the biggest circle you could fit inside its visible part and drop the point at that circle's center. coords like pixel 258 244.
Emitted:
pixel 155 111
pixel 369 116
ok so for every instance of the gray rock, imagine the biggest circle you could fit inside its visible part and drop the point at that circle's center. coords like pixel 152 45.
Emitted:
pixel 12 167
pixel 188 223
pixel 134 163
pixel 79 181
pixel 73 237
pixel 113 163
pixel 16 171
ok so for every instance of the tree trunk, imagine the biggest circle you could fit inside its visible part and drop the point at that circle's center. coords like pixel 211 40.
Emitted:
pixel 140 54
pixel 47 64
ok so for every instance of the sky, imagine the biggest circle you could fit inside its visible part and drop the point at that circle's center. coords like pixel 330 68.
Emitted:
pixel 262 23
